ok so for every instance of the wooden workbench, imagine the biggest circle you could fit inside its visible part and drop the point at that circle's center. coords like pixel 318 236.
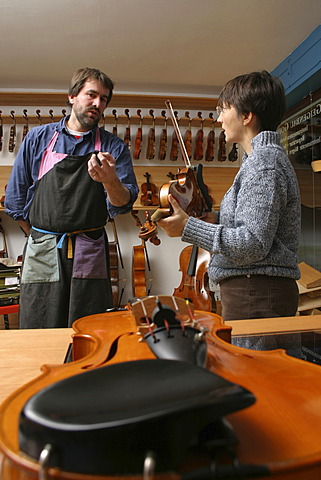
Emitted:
pixel 23 352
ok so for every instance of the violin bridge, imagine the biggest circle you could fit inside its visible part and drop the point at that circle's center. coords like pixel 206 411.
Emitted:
pixel 143 311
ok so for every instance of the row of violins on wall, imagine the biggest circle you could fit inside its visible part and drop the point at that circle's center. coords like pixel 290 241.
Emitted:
pixel 156 143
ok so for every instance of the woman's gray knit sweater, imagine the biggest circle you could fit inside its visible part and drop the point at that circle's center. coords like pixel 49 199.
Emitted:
pixel 259 221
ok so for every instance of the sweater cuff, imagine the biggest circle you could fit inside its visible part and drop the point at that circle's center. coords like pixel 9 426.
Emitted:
pixel 200 233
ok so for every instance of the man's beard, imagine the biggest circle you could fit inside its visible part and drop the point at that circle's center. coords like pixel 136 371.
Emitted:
pixel 86 121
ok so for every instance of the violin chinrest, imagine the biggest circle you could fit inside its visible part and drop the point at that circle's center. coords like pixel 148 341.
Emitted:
pixel 185 345
pixel 106 420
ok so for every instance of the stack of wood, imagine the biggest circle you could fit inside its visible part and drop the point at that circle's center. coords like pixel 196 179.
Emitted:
pixel 309 290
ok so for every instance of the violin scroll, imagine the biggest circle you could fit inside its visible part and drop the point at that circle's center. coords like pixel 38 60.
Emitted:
pixel 148 230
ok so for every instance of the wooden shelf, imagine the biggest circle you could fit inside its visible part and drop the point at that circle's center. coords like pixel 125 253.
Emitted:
pixel 272 326
pixel 218 180
pixel 118 100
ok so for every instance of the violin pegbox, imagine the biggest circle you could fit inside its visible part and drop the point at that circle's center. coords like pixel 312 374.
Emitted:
pixel 167 325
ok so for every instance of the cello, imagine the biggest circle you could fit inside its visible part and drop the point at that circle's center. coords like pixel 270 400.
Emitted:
pixel 140 258
pixel 269 430
pixel 194 286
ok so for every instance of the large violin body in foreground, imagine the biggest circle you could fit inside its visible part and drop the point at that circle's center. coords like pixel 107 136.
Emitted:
pixel 274 433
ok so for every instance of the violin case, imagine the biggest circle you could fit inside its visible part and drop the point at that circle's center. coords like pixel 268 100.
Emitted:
pixel 107 420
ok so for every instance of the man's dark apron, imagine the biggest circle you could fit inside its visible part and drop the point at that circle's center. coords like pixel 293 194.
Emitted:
pixel 66 261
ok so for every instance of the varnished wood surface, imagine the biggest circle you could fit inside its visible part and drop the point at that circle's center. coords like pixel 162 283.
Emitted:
pixel 119 100
pixel 281 430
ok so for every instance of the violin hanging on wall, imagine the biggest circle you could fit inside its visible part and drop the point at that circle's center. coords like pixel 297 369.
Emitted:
pixel 150 153
pixel 221 154
pixel 188 137
pixel 174 145
pixel 149 192
pixel 26 125
pixel 139 137
pixel 115 126
pixel 12 138
pixel 127 137
pixel 233 155
pixel 209 154
pixel 198 150
pixel 163 139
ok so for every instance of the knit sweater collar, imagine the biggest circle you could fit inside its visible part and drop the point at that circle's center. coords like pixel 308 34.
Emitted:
pixel 265 138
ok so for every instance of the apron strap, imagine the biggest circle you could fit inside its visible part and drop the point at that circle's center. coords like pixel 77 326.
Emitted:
pixel 68 235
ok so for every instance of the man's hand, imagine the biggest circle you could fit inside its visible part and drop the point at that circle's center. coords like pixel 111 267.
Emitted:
pixel 106 171
pixel 106 174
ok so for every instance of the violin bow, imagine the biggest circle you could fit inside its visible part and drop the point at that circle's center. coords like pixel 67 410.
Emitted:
pixel 178 133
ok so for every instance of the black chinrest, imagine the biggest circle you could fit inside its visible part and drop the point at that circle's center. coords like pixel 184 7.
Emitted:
pixel 105 421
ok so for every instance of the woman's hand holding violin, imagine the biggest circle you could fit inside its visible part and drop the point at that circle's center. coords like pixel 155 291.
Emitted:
pixel 174 225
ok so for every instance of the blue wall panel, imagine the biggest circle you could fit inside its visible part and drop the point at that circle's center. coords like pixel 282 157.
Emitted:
pixel 300 72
